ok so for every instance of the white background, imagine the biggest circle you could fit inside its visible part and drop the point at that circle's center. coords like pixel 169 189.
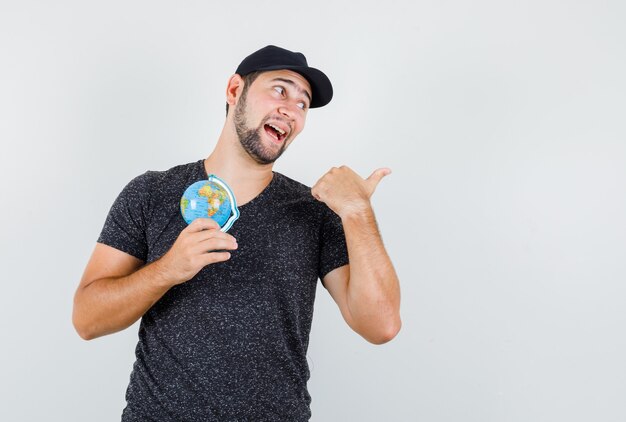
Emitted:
pixel 503 122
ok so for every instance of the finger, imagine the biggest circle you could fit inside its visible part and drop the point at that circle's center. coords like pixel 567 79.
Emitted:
pixel 210 234
pixel 216 245
pixel 213 257
pixel 200 224
pixel 374 179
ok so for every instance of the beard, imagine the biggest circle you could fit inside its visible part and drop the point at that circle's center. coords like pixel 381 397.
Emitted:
pixel 250 139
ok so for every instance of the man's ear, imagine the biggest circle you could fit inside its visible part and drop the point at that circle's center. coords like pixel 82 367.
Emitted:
pixel 234 89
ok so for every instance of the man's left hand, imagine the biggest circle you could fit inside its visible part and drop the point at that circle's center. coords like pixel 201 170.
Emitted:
pixel 345 192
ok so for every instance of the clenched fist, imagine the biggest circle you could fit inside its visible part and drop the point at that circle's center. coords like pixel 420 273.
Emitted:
pixel 346 192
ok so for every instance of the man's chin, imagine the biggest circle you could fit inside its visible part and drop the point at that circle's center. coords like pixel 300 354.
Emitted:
pixel 262 161
pixel 260 148
pixel 264 157
pixel 269 152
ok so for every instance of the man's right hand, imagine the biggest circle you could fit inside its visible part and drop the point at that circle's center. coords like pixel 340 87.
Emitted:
pixel 201 243
pixel 117 288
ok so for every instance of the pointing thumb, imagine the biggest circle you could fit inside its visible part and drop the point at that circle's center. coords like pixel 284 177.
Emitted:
pixel 377 176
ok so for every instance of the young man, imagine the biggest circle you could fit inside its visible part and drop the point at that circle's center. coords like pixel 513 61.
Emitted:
pixel 225 317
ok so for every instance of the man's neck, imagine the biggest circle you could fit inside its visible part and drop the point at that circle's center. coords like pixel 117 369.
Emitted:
pixel 231 163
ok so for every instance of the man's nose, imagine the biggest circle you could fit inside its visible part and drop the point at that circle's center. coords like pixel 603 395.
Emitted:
pixel 288 110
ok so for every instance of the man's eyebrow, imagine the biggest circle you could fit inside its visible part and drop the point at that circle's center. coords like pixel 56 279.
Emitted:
pixel 292 83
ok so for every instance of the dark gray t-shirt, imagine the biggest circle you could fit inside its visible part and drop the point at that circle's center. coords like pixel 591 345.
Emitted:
pixel 230 344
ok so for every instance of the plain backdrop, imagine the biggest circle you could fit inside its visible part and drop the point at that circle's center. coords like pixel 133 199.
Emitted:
pixel 503 123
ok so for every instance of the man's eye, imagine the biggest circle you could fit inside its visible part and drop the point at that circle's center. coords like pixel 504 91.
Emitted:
pixel 279 89
pixel 302 106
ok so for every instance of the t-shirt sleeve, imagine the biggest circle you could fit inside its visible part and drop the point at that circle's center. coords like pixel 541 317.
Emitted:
pixel 125 225
pixel 333 251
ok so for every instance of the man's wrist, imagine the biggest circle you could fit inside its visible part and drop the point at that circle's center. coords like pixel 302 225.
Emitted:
pixel 161 276
pixel 357 212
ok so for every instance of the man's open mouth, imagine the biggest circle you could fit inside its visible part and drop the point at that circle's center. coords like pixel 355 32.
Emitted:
pixel 275 132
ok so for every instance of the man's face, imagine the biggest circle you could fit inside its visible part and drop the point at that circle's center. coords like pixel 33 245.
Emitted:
pixel 271 112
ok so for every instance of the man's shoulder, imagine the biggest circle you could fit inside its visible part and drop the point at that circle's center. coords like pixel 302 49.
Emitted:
pixel 181 172
pixel 151 180
pixel 292 188
pixel 291 184
pixel 294 192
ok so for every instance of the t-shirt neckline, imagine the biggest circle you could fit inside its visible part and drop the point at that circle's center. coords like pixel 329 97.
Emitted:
pixel 259 198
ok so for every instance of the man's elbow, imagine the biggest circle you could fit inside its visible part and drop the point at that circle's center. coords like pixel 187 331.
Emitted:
pixel 86 335
pixel 82 329
pixel 385 335
pixel 85 327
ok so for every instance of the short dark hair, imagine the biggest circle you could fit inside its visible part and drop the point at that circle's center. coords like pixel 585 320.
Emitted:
pixel 247 81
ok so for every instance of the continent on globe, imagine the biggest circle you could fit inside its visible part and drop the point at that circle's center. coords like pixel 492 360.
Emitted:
pixel 215 197
pixel 184 204
pixel 210 198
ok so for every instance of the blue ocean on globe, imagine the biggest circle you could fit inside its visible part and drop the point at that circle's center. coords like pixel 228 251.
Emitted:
pixel 206 199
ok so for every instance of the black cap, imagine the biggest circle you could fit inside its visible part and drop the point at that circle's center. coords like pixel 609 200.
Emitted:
pixel 276 58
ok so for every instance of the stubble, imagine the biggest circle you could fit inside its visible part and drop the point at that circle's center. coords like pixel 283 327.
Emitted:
pixel 251 138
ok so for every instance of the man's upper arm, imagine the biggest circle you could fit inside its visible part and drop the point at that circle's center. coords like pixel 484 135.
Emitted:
pixel 336 282
pixel 106 262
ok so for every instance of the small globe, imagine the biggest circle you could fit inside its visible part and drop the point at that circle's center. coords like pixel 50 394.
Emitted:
pixel 206 199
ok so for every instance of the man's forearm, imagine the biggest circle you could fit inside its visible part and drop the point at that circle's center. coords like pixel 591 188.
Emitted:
pixel 373 292
pixel 109 305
